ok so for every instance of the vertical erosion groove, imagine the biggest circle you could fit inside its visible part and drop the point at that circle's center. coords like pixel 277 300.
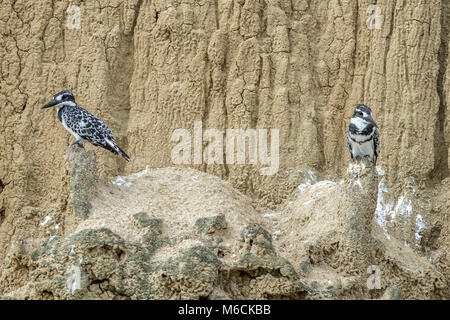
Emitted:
pixel 441 170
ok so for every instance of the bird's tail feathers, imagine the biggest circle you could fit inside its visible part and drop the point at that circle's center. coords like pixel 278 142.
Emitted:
pixel 117 149
pixel 123 154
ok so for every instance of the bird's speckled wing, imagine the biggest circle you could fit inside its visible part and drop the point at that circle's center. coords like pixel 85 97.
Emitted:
pixel 88 127
pixel 349 145
pixel 376 144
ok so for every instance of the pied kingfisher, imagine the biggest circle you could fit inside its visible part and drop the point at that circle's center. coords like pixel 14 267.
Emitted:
pixel 363 136
pixel 83 125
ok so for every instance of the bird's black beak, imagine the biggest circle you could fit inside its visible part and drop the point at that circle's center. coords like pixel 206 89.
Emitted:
pixel 50 104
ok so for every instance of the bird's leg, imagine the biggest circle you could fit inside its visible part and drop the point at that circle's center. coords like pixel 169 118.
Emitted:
pixel 79 142
pixel 359 162
pixel 369 161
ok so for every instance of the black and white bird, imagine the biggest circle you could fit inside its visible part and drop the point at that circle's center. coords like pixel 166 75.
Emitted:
pixel 363 138
pixel 83 125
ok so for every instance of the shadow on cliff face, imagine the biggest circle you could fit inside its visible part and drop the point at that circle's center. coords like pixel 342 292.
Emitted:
pixel 183 234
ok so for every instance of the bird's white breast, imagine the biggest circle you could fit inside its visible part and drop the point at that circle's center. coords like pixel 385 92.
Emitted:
pixel 364 149
pixel 70 130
